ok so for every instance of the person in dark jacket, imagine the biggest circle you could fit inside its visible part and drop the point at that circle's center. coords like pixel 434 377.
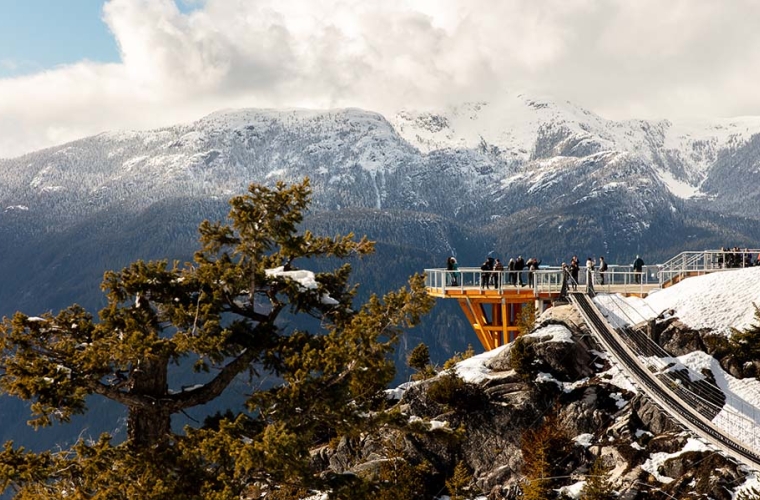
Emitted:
pixel 512 273
pixel 575 268
pixel 638 266
pixel 485 276
pixel 452 267
pixel 519 266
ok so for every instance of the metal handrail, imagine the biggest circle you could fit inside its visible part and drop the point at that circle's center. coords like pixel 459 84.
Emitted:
pixel 660 392
pixel 545 280
pixel 549 278
pixel 707 261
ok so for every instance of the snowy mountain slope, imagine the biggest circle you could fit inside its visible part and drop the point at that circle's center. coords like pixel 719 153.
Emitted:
pixel 477 163
pixel 481 144
pixel 520 128
pixel 521 175
pixel 215 156
pixel 718 301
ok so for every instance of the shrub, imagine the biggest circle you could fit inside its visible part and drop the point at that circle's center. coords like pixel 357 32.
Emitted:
pixel 460 356
pixel 419 359
pixel 521 359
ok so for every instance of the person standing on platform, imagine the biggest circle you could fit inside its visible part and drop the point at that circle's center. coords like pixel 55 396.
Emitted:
pixel 519 266
pixel 452 267
pixel 602 269
pixel 532 266
pixel 565 278
pixel 512 274
pixel 485 276
pixel 638 266
pixel 575 268
pixel 498 269
pixel 590 276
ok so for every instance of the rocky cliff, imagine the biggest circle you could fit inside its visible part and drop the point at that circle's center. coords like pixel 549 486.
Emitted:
pixel 492 419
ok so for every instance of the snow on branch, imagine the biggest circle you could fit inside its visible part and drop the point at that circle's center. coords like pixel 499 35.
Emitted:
pixel 306 279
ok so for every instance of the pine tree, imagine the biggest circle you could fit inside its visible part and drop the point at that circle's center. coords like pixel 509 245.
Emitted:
pixel 419 359
pixel 399 479
pixel 597 485
pixel 746 343
pixel 521 358
pixel 527 319
pixel 459 481
pixel 221 314
pixel 541 446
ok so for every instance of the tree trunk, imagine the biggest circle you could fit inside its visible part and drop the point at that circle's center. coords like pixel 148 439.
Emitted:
pixel 149 424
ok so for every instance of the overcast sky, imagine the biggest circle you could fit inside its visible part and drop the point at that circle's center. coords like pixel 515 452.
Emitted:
pixel 70 69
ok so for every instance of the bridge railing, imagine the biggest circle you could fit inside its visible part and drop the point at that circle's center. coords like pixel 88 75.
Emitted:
pixel 736 416
pixel 548 279
pixel 474 277
pixel 617 278
pixel 709 413
pixel 706 261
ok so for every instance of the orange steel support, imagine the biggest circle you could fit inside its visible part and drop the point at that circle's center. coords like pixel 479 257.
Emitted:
pixel 494 319
pixel 494 313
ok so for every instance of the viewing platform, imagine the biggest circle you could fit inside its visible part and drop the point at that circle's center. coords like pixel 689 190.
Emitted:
pixel 493 305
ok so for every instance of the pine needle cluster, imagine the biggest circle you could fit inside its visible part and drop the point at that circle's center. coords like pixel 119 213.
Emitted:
pixel 419 360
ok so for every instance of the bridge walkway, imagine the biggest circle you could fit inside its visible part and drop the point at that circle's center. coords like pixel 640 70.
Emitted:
pixel 688 408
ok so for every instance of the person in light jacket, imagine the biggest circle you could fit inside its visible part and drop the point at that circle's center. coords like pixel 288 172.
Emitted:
pixel 602 269
pixel 511 272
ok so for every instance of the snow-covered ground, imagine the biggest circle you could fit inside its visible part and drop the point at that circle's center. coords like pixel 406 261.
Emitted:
pixel 718 301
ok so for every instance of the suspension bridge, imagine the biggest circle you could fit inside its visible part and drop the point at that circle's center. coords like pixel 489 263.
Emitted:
pixel 724 420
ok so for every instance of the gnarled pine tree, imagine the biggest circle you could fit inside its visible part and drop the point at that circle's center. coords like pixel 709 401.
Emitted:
pixel 219 314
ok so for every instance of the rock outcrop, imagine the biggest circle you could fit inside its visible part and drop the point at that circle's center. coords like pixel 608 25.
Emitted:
pixel 482 421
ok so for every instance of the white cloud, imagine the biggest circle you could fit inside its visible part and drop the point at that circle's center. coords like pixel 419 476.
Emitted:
pixel 9 64
pixel 647 59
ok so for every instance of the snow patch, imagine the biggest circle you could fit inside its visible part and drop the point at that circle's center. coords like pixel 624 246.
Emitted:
pixel 656 460
pixel 306 280
pixel 677 187
pixel 474 370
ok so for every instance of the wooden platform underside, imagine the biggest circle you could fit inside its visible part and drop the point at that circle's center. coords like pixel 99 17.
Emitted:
pixel 495 314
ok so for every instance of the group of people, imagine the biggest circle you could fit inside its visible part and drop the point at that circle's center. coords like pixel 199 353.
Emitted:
pixel 570 273
pixel 735 257
pixel 493 271
pixel 595 273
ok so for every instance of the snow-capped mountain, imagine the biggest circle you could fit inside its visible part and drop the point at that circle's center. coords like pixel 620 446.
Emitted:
pixel 523 175
pixel 489 155
pixel 521 128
